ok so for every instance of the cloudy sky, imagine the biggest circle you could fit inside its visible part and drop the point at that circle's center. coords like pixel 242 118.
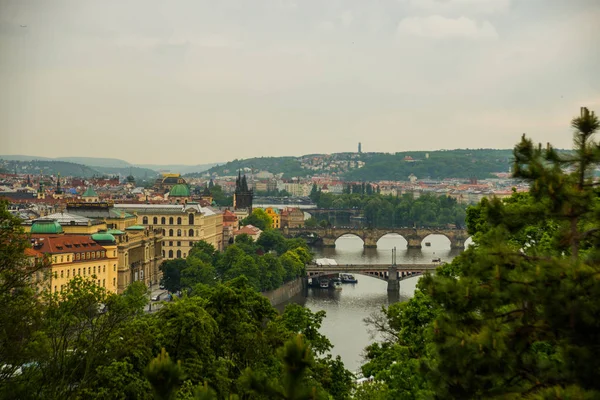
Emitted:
pixel 195 81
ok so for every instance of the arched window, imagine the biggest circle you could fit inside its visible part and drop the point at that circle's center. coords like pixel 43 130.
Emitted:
pixel 155 220
pixel 170 232
pixel 191 219
pixel 178 220
pixel 170 253
pixel 170 220
pixel 191 233
pixel 178 232
pixel 164 232
pixel 145 220
pixel 163 220
pixel 178 253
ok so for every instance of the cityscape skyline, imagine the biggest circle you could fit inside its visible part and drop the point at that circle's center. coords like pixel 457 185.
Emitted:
pixel 211 82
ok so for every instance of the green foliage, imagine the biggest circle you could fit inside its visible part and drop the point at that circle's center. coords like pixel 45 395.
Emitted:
pixel 164 375
pixel 392 211
pixel 442 164
pixel 259 218
pixel 220 198
pixel 85 342
pixel 171 274
pixel 289 166
pixel 516 315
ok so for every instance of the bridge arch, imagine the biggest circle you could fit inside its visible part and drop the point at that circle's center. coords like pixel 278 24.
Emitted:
pixel 348 235
pixel 440 241
pixel 392 240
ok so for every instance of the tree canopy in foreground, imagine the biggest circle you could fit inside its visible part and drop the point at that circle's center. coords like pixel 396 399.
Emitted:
pixel 517 315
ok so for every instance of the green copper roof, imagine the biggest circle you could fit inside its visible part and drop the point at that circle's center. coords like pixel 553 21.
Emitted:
pixel 46 226
pixel 115 232
pixel 103 237
pixel 90 192
pixel 135 228
pixel 180 190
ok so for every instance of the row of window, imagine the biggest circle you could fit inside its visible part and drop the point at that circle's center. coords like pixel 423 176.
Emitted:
pixel 89 271
pixel 171 253
pixel 81 256
pixel 170 244
pixel 63 286
pixel 171 231
pixel 163 220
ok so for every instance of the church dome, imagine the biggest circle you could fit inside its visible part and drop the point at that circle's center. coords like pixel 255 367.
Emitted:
pixel 46 226
pixel 103 237
pixel 180 190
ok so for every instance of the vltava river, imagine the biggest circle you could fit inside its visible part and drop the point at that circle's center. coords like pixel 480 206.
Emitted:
pixel 347 308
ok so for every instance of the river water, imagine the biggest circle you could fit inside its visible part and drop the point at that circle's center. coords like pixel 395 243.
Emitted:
pixel 346 309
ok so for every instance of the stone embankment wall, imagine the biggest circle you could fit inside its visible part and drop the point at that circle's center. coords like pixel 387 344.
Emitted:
pixel 287 291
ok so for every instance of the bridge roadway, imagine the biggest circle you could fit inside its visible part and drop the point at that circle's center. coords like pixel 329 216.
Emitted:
pixel 393 274
pixel 414 236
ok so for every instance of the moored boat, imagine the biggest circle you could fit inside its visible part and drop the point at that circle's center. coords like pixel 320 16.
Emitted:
pixel 336 283
pixel 324 283
pixel 348 278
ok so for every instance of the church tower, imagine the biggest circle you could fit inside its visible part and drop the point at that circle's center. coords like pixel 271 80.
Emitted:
pixel 242 198
pixel 58 192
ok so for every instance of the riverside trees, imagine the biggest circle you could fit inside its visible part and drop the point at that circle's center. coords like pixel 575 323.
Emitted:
pixel 223 340
pixel 517 314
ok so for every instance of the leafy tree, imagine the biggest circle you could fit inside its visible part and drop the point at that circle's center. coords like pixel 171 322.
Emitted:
pixel 259 218
pixel 272 240
pixel 521 317
pixel 171 274
pixel 165 376
pixel 20 310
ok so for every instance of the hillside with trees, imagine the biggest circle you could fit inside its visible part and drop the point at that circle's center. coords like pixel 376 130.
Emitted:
pixel 288 166
pixel 476 163
pixel 432 164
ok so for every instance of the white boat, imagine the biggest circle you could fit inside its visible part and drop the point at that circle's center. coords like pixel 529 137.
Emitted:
pixel 348 278
pixel 324 283
pixel 337 283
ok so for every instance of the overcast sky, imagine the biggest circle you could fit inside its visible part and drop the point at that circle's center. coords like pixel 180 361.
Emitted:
pixel 157 81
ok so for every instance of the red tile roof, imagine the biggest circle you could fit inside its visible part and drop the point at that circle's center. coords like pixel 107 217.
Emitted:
pixel 56 244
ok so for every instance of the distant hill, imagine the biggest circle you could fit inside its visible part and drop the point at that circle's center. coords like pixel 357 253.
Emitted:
pixel 115 166
pixel 45 167
pixel 289 166
pixel 441 164
pixel 178 168
pixel 97 161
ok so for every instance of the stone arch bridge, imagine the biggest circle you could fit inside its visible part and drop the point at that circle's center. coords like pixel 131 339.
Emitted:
pixel 326 237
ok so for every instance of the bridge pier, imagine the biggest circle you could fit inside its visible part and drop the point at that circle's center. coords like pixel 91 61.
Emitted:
pixel 328 242
pixel 393 282
pixel 370 243
pixel 414 242
pixel 457 243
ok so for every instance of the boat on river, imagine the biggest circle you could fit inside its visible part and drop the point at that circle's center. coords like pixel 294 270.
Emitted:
pixel 336 283
pixel 324 283
pixel 348 278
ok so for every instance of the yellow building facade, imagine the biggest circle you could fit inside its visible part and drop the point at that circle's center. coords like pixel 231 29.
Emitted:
pixel 137 249
pixel 69 256
pixel 181 225
pixel 275 216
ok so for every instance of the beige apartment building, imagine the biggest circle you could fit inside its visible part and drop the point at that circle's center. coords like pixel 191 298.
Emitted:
pixel 131 251
pixel 182 225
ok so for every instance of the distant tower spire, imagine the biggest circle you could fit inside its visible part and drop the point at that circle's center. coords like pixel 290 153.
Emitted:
pixel 58 189
pixel 359 147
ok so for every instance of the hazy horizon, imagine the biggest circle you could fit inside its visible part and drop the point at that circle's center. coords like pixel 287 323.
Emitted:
pixel 196 82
